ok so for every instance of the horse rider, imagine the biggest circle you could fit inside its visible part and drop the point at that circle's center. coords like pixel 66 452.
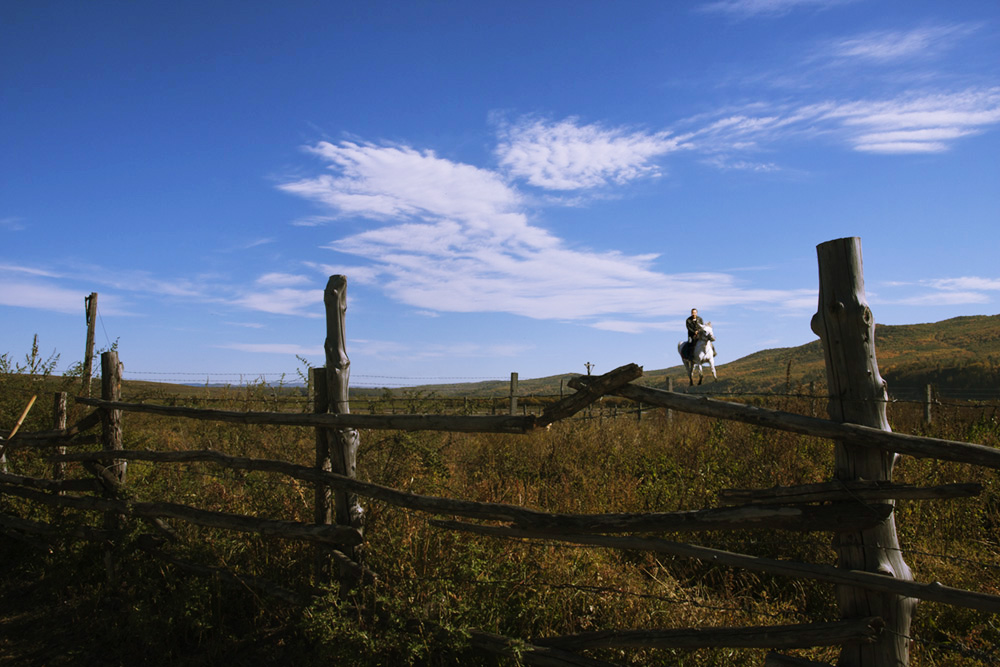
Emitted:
pixel 693 323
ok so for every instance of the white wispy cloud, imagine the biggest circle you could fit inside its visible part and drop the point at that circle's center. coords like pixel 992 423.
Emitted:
pixel 565 155
pixel 43 288
pixel 941 291
pixel 917 123
pixel 29 270
pixel 398 182
pixel 908 123
pixel 966 283
pixel 396 350
pixel 636 327
pixel 257 242
pixel 283 301
pixel 13 223
pixel 364 275
pixel 477 251
pixel 283 280
pixel 901 45
pixel 275 348
pixel 942 298
pixel 41 296
pixel 747 8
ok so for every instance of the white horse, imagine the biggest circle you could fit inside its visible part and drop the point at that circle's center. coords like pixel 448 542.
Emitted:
pixel 703 353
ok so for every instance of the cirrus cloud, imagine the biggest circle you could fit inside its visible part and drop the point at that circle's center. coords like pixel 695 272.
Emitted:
pixel 566 155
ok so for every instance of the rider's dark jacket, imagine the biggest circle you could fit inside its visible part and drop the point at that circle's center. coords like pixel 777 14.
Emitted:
pixel 692 327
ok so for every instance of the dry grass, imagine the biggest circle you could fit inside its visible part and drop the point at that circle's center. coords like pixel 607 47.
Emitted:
pixel 437 584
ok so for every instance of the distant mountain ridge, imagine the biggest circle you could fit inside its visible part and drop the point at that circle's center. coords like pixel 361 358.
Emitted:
pixel 957 353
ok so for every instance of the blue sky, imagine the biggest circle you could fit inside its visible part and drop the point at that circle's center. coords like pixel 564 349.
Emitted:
pixel 508 186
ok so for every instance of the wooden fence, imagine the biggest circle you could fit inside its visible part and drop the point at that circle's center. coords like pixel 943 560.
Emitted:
pixel 875 590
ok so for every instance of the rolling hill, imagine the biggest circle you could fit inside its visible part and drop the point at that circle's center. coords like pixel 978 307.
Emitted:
pixel 958 353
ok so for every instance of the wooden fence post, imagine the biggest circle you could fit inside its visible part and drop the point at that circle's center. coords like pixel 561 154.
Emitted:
pixel 342 442
pixel 513 393
pixel 111 440
pixel 90 303
pixel 929 398
pixel 59 423
pixel 858 395
pixel 111 420
pixel 670 387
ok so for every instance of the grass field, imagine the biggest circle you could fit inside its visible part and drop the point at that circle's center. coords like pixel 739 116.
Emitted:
pixel 435 585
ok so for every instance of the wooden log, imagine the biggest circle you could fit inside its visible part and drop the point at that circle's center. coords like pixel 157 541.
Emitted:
pixel 594 390
pixel 340 535
pixel 456 423
pixel 531 654
pixel 67 436
pixel 56 486
pixel 862 436
pixel 846 490
pixel 13 432
pixel 846 326
pixel 355 570
pixel 47 443
pixel 778 660
pixel 107 482
pixel 803 635
pixel 935 592
pixel 42 545
pixel 789 518
pixel 835 518
pixel 51 532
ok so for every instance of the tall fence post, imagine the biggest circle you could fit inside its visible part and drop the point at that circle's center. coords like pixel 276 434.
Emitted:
pixel 111 420
pixel 90 303
pixel 111 440
pixel 342 442
pixel 513 394
pixel 858 395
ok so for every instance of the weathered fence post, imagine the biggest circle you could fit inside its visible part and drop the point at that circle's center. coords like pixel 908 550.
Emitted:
pixel 858 395
pixel 90 303
pixel 59 423
pixel 342 443
pixel 111 420
pixel 929 398
pixel 111 440
pixel 513 394
pixel 670 387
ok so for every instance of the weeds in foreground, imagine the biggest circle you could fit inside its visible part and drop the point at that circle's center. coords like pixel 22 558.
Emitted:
pixel 436 586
